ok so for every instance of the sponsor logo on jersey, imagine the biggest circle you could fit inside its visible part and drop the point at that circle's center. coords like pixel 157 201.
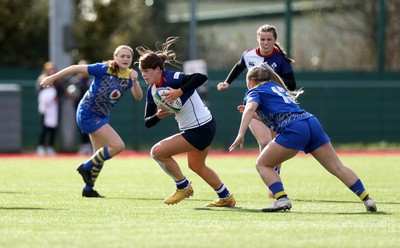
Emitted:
pixel 115 95
pixel 124 83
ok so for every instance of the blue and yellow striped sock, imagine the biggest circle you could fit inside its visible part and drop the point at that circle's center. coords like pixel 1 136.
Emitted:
pixel 96 171
pixel 98 158
pixel 95 164
pixel 277 189
pixel 359 190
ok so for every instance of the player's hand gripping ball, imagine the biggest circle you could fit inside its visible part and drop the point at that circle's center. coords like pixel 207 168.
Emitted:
pixel 159 99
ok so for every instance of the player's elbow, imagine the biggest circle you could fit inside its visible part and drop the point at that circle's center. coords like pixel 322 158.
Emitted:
pixel 137 94
pixel 200 78
pixel 149 122
pixel 138 97
pixel 203 77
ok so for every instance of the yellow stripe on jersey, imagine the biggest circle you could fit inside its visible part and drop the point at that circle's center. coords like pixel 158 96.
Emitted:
pixel 126 74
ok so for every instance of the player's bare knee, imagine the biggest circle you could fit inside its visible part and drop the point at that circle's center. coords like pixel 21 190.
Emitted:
pixel 118 147
pixel 262 166
pixel 258 167
pixel 195 167
pixel 154 151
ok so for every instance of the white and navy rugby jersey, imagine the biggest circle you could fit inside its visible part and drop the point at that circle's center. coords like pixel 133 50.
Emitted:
pixel 105 90
pixel 193 112
pixel 276 60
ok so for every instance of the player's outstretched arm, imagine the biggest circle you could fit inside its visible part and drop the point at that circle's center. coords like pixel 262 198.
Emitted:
pixel 248 114
pixel 49 80
pixel 222 86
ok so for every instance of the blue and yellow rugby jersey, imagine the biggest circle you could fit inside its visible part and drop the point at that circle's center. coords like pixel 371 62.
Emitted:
pixel 276 107
pixel 105 90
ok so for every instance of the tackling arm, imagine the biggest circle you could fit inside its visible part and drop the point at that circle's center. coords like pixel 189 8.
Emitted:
pixel 247 116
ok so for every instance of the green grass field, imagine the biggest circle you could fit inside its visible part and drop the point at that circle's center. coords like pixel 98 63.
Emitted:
pixel 41 205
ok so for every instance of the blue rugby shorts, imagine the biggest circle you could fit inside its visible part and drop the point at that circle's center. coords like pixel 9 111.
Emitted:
pixel 304 135
pixel 90 122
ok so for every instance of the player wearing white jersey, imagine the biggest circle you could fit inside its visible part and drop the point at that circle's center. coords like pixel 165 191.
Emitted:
pixel 270 52
pixel 194 119
pixel 193 112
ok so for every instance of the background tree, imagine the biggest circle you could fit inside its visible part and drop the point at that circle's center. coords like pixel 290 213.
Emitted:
pixel 344 37
pixel 348 37
pixel 393 36
pixel 101 26
pixel 24 33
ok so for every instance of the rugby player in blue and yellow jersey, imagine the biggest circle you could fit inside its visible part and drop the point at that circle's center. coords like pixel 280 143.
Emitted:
pixel 111 80
pixel 269 100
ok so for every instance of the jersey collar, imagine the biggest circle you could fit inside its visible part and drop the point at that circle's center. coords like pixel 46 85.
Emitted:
pixel 270 55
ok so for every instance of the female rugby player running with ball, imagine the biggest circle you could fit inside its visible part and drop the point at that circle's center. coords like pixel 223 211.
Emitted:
pixel 194 120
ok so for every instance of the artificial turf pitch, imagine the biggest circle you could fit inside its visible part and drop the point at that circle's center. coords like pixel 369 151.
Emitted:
pixel 41 205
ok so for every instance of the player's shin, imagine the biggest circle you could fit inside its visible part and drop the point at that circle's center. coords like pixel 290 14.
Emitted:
pixel 162 165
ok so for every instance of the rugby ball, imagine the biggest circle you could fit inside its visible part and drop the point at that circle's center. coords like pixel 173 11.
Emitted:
pixel 159 97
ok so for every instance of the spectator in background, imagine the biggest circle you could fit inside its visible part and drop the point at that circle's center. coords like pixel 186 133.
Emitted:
pixel 48 106
pixel 76 89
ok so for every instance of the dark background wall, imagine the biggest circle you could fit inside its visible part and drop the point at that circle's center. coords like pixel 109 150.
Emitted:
pixel 352 107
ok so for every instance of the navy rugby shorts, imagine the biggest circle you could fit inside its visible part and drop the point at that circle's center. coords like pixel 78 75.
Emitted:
pixel 304 135
pixel 201 137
